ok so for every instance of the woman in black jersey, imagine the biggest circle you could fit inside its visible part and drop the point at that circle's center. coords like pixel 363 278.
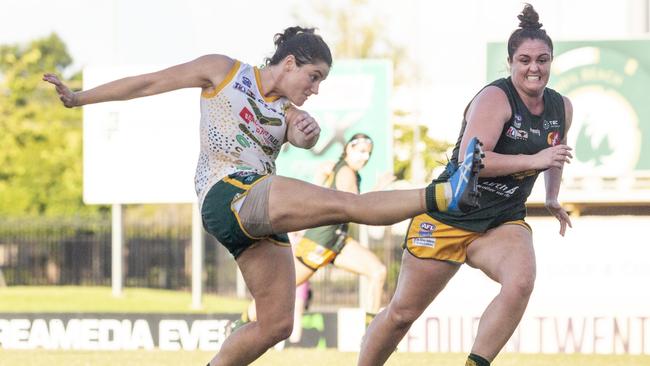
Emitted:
pixel 523 125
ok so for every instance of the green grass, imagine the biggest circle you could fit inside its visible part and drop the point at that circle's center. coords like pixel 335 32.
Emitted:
pixel 55 299
pixel 297 357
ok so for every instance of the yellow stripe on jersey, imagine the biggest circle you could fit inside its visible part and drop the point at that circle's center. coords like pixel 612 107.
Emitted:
pixel 231 74
pixel 258 80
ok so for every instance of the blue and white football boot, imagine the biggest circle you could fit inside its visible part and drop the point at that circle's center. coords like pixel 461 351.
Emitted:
pixel 460 192
pixel 464 179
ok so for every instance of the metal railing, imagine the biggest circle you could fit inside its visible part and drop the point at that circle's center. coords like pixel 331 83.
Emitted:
pixel 157 254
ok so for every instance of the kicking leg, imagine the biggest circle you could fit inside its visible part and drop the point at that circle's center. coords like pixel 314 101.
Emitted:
pixel 295 205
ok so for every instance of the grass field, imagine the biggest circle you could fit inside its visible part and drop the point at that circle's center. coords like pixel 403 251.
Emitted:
pixel 297 357
pixel 53 299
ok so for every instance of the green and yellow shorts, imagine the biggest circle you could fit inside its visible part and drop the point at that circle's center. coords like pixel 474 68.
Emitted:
pixel 428 238
pixel 220 213
pixel 314 255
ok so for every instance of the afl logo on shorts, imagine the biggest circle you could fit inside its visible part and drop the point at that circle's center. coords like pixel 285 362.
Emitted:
pixel 426 230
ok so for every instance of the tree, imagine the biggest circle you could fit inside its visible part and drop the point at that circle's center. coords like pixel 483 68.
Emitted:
pixel 431 151
pixel 40 159
pixel 353 31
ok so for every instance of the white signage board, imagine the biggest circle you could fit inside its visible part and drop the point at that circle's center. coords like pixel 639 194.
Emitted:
pixel 142 150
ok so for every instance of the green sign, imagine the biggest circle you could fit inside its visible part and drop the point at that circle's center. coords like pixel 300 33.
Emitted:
pixel 608 83
pixel 354 98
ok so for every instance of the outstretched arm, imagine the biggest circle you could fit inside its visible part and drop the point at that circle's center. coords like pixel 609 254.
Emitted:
pixel 302 129
pixel 203 72
pixel 553 178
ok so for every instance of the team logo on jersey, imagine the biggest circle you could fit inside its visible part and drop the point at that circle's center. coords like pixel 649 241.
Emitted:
pixel 264 120
pixel 267 149
pixel 517 121
pixel 246 81
pixel 551 124
pixel 240 87
pixel 499 189
pixel 246 115
pixel 516 134
pixel 553 138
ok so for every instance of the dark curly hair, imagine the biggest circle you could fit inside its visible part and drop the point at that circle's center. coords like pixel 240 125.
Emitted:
pixel 529 28
pixel 306 46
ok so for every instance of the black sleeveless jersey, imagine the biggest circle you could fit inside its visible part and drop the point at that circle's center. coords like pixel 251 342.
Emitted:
pixel 503 198
pixel 328 235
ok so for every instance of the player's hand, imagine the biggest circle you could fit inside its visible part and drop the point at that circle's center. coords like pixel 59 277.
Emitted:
pixel 304 130
pixel 553 157
pixel 67 96
pixel 306 124
pixel 560 214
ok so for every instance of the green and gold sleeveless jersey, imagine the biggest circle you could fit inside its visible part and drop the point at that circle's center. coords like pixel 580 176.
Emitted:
pixel 503 198
pixel 327 235
pixel 241 129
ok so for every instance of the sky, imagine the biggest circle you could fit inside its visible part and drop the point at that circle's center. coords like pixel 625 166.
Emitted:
pixel 445 40
pixel 143 32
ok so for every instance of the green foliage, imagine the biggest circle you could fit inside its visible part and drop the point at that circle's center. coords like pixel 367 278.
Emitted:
pixel 40 159
pixel 431 151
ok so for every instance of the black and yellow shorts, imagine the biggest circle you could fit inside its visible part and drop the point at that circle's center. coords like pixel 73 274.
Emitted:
pixel 221 218
pixel 428 238
pixel 314 255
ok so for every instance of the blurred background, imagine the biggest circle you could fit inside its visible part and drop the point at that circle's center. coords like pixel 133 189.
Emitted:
pixel 403 72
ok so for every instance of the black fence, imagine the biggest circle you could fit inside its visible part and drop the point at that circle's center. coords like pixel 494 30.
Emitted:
pixel 55 251
pixel 157 254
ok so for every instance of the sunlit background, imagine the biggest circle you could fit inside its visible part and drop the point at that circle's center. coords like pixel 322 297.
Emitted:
pixel 84 190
